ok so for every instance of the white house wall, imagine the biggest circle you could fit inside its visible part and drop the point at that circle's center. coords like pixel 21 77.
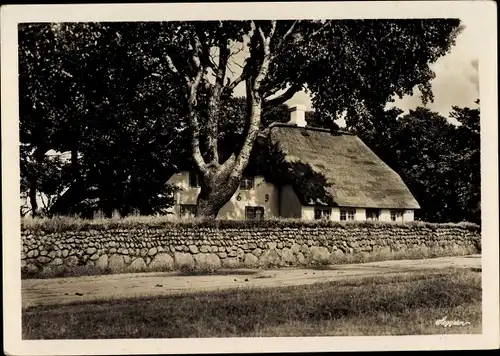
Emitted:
pixel 409 215
pixel 235 209
pixel 263 194
pixel 360 214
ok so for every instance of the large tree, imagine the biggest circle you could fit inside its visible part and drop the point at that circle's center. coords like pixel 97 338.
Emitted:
pixel 347 66
pixel 86 89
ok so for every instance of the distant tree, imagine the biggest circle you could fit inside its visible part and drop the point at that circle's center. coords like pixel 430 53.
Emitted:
pixel 467 162
pixel 85 89
pixel 438 161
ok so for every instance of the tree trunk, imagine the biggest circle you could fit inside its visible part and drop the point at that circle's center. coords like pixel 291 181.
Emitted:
pixel 214 195
pixel 32 194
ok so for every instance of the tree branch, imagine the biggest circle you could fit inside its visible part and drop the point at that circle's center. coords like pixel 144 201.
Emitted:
pixel 254 101
pixel 280 99
pixel 174 69
pixel 192 102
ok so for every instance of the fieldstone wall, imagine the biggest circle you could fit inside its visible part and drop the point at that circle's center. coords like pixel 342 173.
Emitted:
pixel 177 247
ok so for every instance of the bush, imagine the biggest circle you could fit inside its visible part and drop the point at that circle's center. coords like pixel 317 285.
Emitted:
pixel 65 223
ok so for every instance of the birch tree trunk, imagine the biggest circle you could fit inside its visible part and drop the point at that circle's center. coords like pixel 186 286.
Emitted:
pixel 220 180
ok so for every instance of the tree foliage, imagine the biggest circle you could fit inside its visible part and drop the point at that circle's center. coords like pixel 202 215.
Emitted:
pixel 438 160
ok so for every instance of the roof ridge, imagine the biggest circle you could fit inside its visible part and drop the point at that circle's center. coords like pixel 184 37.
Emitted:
pixel 311 128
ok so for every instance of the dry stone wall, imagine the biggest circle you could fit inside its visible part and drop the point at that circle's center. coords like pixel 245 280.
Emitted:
pixel 176 247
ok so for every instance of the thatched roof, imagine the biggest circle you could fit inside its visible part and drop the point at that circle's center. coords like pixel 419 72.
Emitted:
pixel 354 175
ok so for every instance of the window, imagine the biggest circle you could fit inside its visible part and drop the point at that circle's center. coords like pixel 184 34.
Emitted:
pixel 322 213
pixel 372 214
pixel 396 215
pixel 254 213
pixel 246 183
pixel 347 214
pixel 188 210
pixel 194 180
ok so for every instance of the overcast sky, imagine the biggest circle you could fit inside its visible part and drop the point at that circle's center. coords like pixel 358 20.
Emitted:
pixel 456 82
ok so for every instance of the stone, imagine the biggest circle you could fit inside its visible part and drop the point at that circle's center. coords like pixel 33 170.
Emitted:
pixel 222 249
pixel 252 246
pixel 250 260
pixel 31 254
pixel 94 257
pixel 58 253
pixel 31 268
pixel 152 251
pixel 279 245
pixel 214 249
pixel 304 249
pixel 230 263
pixel 338 254
pixel 43 253
pixel 232 254
pixel 91 250
pixel 137 264
pixel 271 245
pixel 183 259
pixel 162 261
pixel 125 251
pixel 257 252
pixel 193 249
pixel 222 254
pixel 127 259
pixel 287 256
pixel 204 249
pixel 270 258
pixel 102 261
pixel 57 261
pixel 143 251
pixel 71 261
pixel 52 254
pixel 207 260
pixel 301 260
pixel 90 263
pixel 43 259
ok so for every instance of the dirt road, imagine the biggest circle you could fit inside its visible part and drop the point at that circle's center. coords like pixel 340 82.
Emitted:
pixel 67 290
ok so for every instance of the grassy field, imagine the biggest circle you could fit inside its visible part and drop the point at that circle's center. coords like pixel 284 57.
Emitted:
pixel 408 304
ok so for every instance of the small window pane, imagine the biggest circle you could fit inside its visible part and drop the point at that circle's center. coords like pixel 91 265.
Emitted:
pixel 254 213
pixel 372 214
pixel 246 183
pixel 194 180
pixel 188 210
pixel 322 213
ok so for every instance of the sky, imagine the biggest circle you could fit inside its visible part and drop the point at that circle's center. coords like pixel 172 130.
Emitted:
pixel 456 82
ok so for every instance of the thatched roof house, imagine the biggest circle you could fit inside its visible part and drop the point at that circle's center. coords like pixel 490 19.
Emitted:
pixel 354 175
pixel 297 171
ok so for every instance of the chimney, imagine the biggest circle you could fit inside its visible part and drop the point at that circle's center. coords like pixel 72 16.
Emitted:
pixel 298 115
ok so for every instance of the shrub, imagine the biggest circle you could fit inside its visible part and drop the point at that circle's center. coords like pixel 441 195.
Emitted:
pixel 65 223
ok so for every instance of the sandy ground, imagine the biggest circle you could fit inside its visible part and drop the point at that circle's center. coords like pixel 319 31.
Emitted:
pixel 67 290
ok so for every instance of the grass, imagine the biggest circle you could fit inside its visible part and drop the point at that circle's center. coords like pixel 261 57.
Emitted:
pixel 68 223
pixel 408 304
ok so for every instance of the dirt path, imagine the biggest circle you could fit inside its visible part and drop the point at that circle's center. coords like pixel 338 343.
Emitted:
pixel 67 290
